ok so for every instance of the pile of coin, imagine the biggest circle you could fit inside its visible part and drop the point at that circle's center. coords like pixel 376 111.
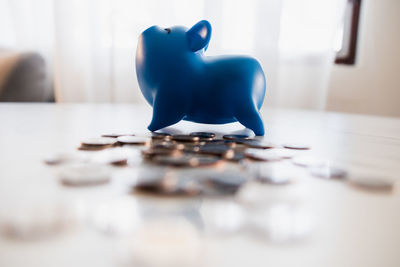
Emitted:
pixel 198 150
pixel 192 150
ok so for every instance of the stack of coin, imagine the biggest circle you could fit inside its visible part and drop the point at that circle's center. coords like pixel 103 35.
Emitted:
pixel 189 150
pixel 194 150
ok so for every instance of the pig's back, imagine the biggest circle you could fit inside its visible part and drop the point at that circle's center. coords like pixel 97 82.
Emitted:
pixel 224 83
pixel 238 77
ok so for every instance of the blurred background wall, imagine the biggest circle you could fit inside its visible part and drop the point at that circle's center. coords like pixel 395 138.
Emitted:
pixel 88 47
pixel 372 85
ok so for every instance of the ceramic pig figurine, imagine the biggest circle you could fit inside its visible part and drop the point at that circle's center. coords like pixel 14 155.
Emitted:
pixel 181 83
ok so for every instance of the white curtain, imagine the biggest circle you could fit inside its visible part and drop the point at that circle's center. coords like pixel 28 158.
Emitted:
pixel 90 44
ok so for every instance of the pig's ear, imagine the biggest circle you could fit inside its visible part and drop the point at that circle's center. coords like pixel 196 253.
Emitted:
pixel 199 35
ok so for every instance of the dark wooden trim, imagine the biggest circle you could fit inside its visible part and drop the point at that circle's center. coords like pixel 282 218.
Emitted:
pixel 350 57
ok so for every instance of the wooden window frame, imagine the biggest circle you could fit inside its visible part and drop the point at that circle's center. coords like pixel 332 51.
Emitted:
pixel 348 52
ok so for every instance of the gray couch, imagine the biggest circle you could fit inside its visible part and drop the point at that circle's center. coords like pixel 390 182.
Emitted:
pixel 24 78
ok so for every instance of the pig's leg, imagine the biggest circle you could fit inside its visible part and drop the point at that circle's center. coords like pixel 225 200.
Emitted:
pixel 166 111
pixel 250 118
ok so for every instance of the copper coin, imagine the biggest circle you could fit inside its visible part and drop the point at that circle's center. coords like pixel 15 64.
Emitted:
pixel 185 138
pixel 236 137
pixel 99 141
pixel 162 185
pixel 133 140
pixel 160 136
pixel 114 135
pixel 204 136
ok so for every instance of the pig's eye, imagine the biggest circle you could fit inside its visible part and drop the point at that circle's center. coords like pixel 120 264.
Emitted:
pixel 168 30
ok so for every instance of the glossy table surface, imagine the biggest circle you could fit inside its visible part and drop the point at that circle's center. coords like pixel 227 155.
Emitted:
pixel 311 222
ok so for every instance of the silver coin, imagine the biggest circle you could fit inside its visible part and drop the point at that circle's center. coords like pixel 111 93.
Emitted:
pixel 273 175
pixel 309 161
pixel 328 172
pixel 133 140
pixel 238 156
pixel 62 158
pixel 99 141
pixel 372 183
pixel 84 174
pixel 167 183
pixel 229 143
pixel 263 155
pixel 297 146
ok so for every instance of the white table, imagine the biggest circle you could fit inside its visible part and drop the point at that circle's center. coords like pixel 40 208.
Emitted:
pixel 348 226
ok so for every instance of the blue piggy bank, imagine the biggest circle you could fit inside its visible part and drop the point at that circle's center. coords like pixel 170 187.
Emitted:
pixel 182 84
